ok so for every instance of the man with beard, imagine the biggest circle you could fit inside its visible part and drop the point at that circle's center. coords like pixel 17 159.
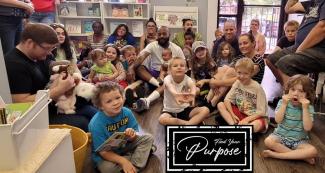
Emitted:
pixel 230 36
pixel 149 71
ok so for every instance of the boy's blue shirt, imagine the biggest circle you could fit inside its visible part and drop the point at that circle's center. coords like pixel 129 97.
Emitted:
pixel 103 126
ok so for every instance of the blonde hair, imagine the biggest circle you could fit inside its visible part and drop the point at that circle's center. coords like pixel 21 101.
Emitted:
pixel 245 63
pixel 291 23
pixel 175 58
pixel 127 48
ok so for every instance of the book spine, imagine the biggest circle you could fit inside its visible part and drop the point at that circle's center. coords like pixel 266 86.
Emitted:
pixel 3 117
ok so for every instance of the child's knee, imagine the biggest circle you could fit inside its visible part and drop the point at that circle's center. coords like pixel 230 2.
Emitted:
pixel 221 106
pixel 313 151
pixel 148 139
pixel 269 141
pixel 162 120
pixel 205 110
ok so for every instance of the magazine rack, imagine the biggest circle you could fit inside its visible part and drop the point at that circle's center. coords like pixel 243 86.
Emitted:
pixel 22 141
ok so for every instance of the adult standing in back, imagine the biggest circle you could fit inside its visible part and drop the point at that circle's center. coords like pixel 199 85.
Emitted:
pixel 11 25
pixel 150 35
pixel 179 39
pixel 230 36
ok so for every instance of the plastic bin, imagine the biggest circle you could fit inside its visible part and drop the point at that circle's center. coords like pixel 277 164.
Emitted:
pixel 80 143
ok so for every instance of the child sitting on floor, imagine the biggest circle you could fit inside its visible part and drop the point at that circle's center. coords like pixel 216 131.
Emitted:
pixel 144 103
pixel 179 96
pixel 225 55
pixel 102 70
pixel 245 103
pixel 113 117
pixel 294 115
pixel 166 56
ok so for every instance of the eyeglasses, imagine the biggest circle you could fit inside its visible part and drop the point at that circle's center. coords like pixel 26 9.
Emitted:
pixel 53 25
pixel 47 49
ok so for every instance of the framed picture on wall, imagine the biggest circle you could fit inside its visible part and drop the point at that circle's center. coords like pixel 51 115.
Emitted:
pixel 172 16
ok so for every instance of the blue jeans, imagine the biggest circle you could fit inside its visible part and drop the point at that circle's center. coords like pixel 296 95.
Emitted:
pixel 10 30
pixel 42 17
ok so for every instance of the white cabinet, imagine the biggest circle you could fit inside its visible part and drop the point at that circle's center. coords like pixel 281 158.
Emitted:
pixel 27 145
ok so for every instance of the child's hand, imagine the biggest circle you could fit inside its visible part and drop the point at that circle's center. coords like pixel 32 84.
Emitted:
pixel 235 118
pixel 188 97
pixel 107 77
pixel 130 133
pixel 286 98
pixel 179 98
pixel 128 167
pixel 199 83
pixel 304 102
pixel 243 122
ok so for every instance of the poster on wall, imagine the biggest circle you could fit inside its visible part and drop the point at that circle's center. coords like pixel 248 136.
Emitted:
pixel 174 19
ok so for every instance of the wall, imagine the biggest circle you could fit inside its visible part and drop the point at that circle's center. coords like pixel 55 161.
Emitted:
pixel 201 4
pixel 4 84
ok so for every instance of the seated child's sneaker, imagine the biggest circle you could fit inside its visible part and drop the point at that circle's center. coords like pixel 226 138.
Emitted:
pixel 140 105
pixel 129 97
pixel 153 149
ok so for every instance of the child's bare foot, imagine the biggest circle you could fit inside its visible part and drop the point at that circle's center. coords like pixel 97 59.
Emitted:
pixel 267 153
pixel 310 161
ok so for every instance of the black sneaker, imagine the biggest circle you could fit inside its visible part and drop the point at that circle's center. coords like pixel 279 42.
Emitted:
pixel 129 97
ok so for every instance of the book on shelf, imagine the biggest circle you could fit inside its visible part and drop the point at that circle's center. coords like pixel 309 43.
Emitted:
pixel 11 112
pixel 68 9
pixel 16 110
pixel 79 42
pixel 137 28
pixel 73 26
pixel 137 11
pixel 141 1
pixel 87 25
pixel 116 141
pixel 120 11
pixel 113 25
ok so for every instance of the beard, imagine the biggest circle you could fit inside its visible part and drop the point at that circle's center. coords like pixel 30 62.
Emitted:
pixel 163 42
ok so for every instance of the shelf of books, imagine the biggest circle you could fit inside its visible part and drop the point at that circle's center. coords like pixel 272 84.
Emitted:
pixel 78 16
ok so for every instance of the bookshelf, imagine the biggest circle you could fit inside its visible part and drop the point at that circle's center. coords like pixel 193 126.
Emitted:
pixel 133 13
pixel 77 16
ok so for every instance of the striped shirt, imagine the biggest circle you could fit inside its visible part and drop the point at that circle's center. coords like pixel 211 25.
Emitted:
pixel 99 45
pixel 291 127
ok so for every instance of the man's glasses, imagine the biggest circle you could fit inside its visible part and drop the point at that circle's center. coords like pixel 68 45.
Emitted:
pixel 54 25
pixel 47 49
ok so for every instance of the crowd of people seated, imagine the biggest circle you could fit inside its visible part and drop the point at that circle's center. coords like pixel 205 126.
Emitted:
pixel 192 82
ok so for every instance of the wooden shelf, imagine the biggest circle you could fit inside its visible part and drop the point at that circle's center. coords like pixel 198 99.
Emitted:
pixel 80 17
pixel 127 18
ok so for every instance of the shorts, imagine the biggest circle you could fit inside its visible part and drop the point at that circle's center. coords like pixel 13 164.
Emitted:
pixel 308 61
pixel 241 116
pixel 154 73
pixel 123 83
pixel 276 56
pixel 288 143
pixel 184 115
